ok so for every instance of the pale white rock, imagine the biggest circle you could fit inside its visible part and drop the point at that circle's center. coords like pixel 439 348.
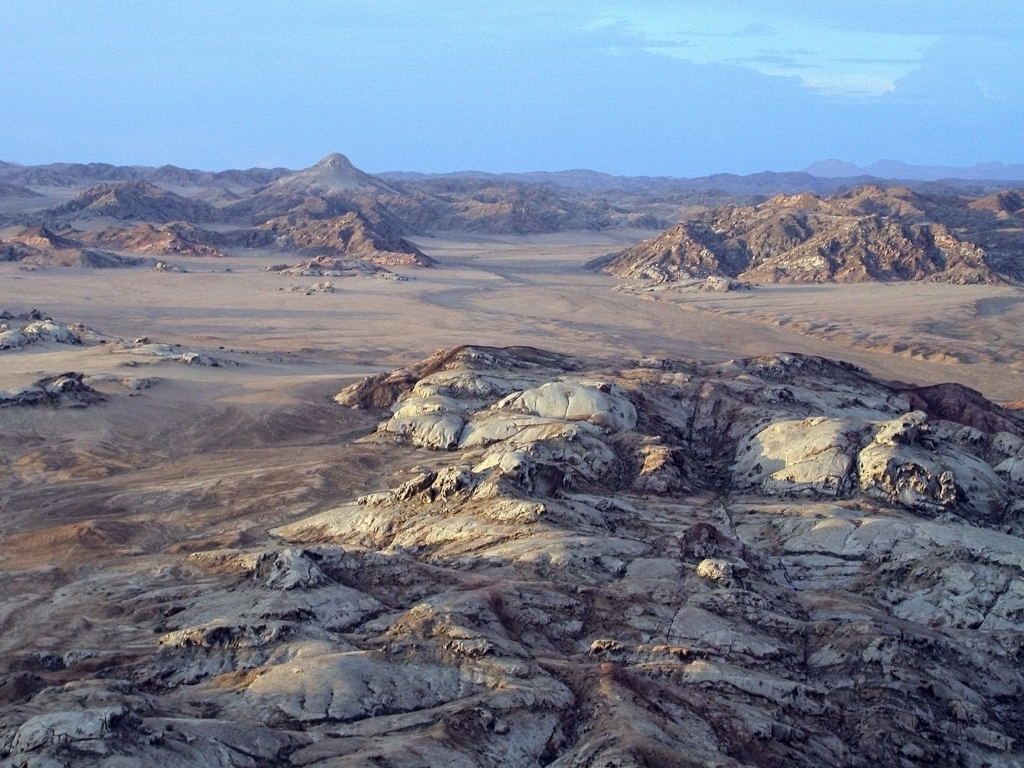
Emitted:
pixel 713 675
pixel 1012 470
pixel 814 455
pixel 905 464
pixel 466 385
pixel 1006 444
pixel 701 629
pixel 48 330
pixel 196 358
pixel 487 428
pixel 314 685
pixel 566 585
pixel 602 404
pixel 13 338
pixel 67 728
pixel 432 421
pixel 45 330
pixel 541 464
pixel 721 571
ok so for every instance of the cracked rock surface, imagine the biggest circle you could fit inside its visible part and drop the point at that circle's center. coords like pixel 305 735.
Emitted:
pixel 580 562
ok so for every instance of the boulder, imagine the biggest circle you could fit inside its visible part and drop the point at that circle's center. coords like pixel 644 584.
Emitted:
pixel 794 457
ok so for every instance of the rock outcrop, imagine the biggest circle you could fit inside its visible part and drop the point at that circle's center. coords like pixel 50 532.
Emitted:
pixel 335 187
pixel 134 200
pixel 348 237
pixel 17 331
pixel 334 173
pixel 330 266
pixel 177 238
pixel 67 389
pixel 42 247
pixel 867 234
pixel 772 561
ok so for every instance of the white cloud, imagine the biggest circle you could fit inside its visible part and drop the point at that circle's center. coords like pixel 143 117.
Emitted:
pixel 833 61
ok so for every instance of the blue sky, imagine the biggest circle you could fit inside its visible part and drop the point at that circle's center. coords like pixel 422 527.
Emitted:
pixel 674 88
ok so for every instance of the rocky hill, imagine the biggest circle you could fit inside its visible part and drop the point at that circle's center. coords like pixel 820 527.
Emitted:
pixel 241 180
pixel 67 174
pixel 1003 204
pixel 16 191
pixel 42 247
pixel 333 173
pixel 869 233
pixel 772 561
pixel 313 222
pixel 721 212
pixel 764 183
pixel 175 239
pixel 330 188
pixel 348 236
pixel 133 201
pixel 470 205
pixel 89 174
pixel 334 187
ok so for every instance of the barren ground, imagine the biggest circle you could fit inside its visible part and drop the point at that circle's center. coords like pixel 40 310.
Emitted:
pixel 296 350
pixel 214 456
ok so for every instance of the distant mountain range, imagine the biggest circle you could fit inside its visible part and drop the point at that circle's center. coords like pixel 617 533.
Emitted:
pixel 594 182
pixel 336 173
pixel 823 177
pixel 895 169
pixel 765 226
pixel 85 174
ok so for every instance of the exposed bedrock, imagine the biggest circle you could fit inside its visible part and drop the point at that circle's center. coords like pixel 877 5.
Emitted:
pixel 773 561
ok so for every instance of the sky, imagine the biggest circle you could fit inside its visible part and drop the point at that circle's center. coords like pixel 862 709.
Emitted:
pixel 638 88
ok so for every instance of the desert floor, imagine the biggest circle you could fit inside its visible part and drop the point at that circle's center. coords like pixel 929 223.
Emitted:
pixel 213 456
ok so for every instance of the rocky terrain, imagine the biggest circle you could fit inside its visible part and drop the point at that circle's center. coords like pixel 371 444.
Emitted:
pixel 64 389
pixel 1003 204
pixel 178 238
pixel 572 562
pixel 88 174
pixel 9 190
pixel 334 187
pixel 880 231
pixel 38 331
pixel 330 266
pixel 17 331
pixel 481 205
pixel 333 173
pixel 329 209
pixel 350 236
pixel 229 540
pixel 867 234
pixel 134 201
pixel 42 247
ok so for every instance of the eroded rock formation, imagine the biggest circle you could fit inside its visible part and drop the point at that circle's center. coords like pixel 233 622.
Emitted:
pixel 66 389
pixel 17 331
pixel 867 234
pixel 771 561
